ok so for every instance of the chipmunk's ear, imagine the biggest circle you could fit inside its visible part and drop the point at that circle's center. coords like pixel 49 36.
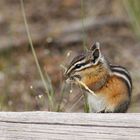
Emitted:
pixel 96 54
pixel 96 45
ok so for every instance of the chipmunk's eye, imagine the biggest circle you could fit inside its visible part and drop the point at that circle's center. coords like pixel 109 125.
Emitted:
pixel 78 66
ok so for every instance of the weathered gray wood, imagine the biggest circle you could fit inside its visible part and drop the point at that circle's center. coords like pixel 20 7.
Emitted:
pixel 81 126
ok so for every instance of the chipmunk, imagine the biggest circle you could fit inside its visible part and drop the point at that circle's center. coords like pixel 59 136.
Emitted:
pixel 111 84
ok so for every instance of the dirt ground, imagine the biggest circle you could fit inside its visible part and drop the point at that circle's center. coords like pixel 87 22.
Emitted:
pixel 57 34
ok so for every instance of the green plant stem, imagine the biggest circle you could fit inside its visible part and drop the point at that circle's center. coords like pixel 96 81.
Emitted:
pixel 34 54
pixel 62 96
pixel 83 26
pixel 133 9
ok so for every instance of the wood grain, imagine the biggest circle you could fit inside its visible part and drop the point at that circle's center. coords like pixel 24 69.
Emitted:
pixel 81 126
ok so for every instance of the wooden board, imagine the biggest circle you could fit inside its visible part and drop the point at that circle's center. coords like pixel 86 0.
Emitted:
pixel 73 126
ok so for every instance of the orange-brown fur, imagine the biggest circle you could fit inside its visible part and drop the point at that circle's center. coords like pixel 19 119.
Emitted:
pixel 93 75
pixel 92 69
pixel 115 91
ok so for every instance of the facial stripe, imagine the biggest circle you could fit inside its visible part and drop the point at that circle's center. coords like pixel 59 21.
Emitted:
pixel 85 66
pixel 78 59
pixel 83 62
pixel 80 62
pixel 73 66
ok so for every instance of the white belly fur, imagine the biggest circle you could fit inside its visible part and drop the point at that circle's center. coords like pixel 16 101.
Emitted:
pixel 96 104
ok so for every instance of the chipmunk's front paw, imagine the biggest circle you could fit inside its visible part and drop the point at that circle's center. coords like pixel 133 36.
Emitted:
pixel 105 111
pixel 102 111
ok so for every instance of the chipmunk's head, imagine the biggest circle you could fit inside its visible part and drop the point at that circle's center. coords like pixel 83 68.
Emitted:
pixel 88 66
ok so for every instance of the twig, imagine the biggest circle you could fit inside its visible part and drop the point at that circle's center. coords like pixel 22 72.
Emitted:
pixel 85 86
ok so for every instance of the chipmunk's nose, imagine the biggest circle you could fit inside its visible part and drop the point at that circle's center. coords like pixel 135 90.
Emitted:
pixel 65 76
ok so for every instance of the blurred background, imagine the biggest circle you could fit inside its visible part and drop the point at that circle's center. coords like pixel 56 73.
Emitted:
pixel 58 29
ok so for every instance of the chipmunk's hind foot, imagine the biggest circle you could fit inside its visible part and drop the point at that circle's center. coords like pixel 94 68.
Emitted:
pixel 122 108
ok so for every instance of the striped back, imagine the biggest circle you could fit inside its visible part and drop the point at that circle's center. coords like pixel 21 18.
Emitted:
pixel 124 74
